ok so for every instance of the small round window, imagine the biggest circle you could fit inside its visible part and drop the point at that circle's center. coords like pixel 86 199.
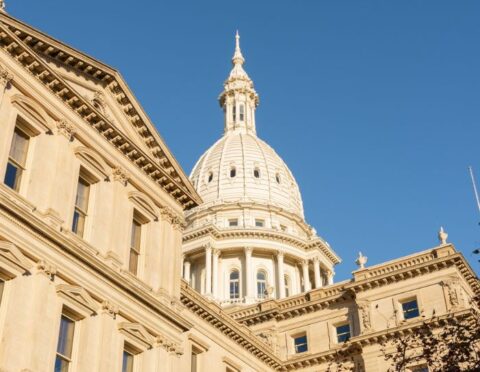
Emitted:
pixel 278 178
pixel 256 173
pixel 233 172
pixel 210 177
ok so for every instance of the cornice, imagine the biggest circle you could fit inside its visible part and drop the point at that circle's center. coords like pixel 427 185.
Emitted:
pixel 25 45
pixel 81 252
pixel 213 314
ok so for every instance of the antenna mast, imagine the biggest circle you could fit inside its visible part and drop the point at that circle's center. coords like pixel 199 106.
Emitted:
pixel 474 187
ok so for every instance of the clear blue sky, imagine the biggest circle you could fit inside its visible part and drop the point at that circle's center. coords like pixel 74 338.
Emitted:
pixel 374 105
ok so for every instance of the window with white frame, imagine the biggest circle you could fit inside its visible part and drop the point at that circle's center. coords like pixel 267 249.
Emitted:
pixel 242 112
pixel 261 284
pixel 128 358
pixel 410 308
pixel 287 285
pixel 81 205
pixel 343 332
pixel 300 343
pixel 259 222
pixel 63 359
pixel 233 222
pixel 135 244
pixel 234 285
pixel 17 159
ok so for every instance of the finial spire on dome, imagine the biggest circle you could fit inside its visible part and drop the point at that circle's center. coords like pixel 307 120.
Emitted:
pixel 237 56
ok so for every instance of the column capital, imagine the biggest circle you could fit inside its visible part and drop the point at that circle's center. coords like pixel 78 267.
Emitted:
pixel 5 76
pixel 216 252
pixel 248 250
pixel 207 247
pixel 316 259
pixel 305 262
pixel 280 255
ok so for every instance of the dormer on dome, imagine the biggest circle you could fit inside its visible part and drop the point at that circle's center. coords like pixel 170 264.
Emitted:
pixel 239 98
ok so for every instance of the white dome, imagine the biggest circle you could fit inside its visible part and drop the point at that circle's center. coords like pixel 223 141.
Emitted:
pixel 241 167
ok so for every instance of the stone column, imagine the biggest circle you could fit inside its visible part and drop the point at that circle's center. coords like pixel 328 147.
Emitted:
pixel 306 278
pixel 281 275
pixel 316 269
pixel 208 269
pixel 216 254
pixel 248 274
pixel 186 271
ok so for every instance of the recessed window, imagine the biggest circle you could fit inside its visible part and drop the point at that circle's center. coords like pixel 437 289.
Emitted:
pixel 420 369
pixel 410 309
pixel 242 113
pixel 261 284
pixel 278 178
pixel 343 332
pixel 234 285
pixel 81 206
pixel 300 343
pixel 283 228
pixel 233 172
pixel 259 223
pixel 234 113
pixel 256 172
pixel 210 177
pixel 287 285
pixel 233 222
pixel 2 286
pixel 135 245
pixel 195 359
pixel 63 358
pixel 127 362
pixel 16 159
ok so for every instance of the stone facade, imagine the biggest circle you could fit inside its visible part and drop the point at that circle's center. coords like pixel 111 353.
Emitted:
pixel 93 210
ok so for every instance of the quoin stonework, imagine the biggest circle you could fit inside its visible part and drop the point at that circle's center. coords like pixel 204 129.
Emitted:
pixel 112 259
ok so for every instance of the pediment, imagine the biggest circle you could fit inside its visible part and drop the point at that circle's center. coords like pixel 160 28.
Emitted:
pixel 153 156
pixel 78 296
pixel 137 332
pixel 13 257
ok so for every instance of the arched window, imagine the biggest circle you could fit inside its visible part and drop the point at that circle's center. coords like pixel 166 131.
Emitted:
pixel 210 177
pixel 256 172
pixel 287 286
pixel 233 172
pixel 261 284
pixel 234 113
pixel 234 285
pixel 242 113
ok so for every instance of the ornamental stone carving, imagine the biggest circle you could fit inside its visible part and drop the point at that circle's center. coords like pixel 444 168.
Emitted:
pixel 43 267
pixel 442 236
pixel 361 261
pixel 268 337
pixel 364 315
pixel 65 128
pixel 109 308
pixel 5 76
pixel 454 293
pixel 121 175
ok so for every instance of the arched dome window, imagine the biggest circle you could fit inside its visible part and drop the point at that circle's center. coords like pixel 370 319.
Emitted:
pixel 256 172
pixel 210 177
pixel 261 284
pixel 278 178
pixel 233 172
pixel 242 113
pixel 234 285
pixel 287 285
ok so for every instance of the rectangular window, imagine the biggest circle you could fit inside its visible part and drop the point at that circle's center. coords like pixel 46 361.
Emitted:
pixel 420 369
pixel 16 159
pixel 300 343
pixel 283 227
pixel 410 309
pixel 81 206
pixel 135 243
pixel 65 344
pixel 2 286
pixel 343 333
pixel 259 223
pixel 233 223
pixel 127 363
